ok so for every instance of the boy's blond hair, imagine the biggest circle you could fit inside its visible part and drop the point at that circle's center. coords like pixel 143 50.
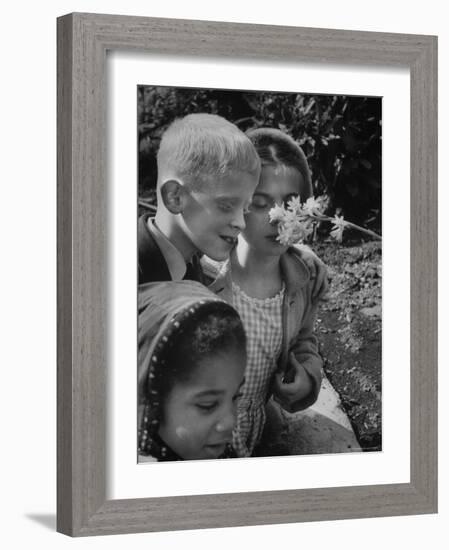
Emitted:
pixel 201 147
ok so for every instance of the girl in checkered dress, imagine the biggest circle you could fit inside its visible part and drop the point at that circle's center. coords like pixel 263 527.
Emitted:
pixel 272 289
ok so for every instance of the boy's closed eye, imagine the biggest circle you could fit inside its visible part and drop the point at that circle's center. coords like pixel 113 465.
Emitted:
pixel 226 205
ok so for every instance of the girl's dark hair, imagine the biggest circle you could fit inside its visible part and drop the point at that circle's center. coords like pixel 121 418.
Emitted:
pixel 213 329
pixel 195 334
pixel 276 147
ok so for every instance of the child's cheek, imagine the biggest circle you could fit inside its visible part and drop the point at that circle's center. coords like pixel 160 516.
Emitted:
pixel 182 432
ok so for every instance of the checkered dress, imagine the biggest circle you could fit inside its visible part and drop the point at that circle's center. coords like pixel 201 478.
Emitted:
pixel 262 320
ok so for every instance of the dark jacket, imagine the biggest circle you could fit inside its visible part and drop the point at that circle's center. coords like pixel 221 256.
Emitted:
pixel 152 265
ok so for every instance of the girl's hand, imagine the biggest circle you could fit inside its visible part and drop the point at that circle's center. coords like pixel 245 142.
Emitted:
pixel 293 385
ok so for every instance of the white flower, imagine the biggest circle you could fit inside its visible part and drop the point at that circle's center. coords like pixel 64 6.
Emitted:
pixel 284 236
pixel 291 218
pixel 308 227
pixel 296 221
pixel 294 205
pixel 277 214
pixel 294 231
pixel 338 228
pixel 313 206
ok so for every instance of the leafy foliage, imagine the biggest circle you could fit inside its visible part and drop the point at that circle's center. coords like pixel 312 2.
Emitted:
pixel 340 135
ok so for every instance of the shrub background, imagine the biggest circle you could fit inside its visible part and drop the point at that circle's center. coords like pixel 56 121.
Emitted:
pixel 340 135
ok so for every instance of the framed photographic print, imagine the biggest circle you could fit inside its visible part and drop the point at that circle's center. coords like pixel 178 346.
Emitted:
pixel 338 139
pixel 361 107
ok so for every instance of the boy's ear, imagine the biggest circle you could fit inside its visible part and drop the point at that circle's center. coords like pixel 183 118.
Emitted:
pixel 173 196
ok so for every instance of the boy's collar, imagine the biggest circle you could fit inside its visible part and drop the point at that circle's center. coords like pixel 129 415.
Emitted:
pixel 152 264
pixel 174 259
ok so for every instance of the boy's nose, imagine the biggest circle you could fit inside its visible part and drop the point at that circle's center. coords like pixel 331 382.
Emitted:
pixel 239 220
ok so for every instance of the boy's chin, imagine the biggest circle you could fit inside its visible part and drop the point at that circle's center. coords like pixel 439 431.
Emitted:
pixel 217 257
pixel 219 254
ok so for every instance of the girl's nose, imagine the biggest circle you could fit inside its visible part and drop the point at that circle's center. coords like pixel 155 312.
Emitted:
pixel 279 202
pixel 227 422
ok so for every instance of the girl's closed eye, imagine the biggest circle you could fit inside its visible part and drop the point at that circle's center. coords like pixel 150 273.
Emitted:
pixel 260 202
pixel 207 406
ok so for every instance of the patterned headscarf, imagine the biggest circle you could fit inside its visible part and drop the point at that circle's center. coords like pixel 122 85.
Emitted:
pixel 163 310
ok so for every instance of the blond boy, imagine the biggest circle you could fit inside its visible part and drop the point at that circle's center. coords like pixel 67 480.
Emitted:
pixel 207 172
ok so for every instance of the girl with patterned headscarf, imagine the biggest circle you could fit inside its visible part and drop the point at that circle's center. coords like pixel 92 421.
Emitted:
pixel 191 360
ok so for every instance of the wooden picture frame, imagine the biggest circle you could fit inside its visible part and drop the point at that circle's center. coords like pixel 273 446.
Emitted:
pixel 83 40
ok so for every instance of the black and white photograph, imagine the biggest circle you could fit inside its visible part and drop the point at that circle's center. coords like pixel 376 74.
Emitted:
pixel 259 273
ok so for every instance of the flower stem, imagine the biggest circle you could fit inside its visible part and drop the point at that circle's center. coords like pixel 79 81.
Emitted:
pixel 322 217
pixel 363 230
